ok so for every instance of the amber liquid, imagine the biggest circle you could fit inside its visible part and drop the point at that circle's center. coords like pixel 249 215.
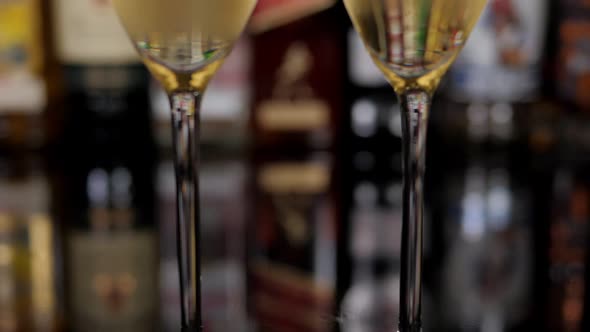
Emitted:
pixel 184 42
pixel 414 41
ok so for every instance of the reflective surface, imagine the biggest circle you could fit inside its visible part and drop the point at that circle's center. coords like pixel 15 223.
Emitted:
pixel 304 242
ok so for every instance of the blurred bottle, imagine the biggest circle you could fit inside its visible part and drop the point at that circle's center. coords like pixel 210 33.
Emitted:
pixel 299 80
pixel 106 87
pixel 496 83
pixel 484 224
pixel 292 243
pixel 104 198
pixel 23 95
pixel 567 295
pixel 571 65
pixel 572 61
pixel 298 73
pixel 105 170
pixel 503 57
pixel 30 277
pixel 224 113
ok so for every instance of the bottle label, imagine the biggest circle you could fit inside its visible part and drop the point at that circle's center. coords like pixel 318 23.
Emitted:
pixel 294 178
pixel 20 57
pixel 27 266
pixel 502 59
pixel 294 245
pixel 270 14
pixel 293 116
pixel 117 292
pixel 89 32
pixel 292 103
pixel 24 197
pixel 27 274
pixel 296 212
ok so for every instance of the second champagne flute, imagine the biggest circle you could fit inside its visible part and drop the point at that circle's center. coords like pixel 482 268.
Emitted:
pixel 183 43
pixel 413 42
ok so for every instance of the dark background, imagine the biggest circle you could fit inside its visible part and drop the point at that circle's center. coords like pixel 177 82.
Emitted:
pixel 300 180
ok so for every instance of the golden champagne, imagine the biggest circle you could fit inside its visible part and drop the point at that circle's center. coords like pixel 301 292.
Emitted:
pixel 414 41
pixel 184 42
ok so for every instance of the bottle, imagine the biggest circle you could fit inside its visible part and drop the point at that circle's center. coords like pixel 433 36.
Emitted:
pixel 105 85
pixel 298 72
pixel 106 159
pixel 111 226
pixel 567 248
pixel 30 273
pixel 23 95
pixel 485 244
pixel 105 202
pixel 572 71
pixel 496 83
pixel 299 79
pixel 292 243
pixel 502 59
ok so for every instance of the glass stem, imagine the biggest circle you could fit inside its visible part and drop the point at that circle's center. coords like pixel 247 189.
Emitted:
pixel 185 125
pixel 415 110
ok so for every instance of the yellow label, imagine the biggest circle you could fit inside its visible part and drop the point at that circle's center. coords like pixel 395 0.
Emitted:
pixel 42 269
pixel 27 270
pixel 20 42
pixel 293 116
pixel 293 105
pixel 294 178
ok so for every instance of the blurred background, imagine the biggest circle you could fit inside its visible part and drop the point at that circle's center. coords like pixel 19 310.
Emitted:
pixel 301 177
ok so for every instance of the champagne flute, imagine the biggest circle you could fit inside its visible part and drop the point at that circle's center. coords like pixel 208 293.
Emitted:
pixel 413 42
pixel 183 43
